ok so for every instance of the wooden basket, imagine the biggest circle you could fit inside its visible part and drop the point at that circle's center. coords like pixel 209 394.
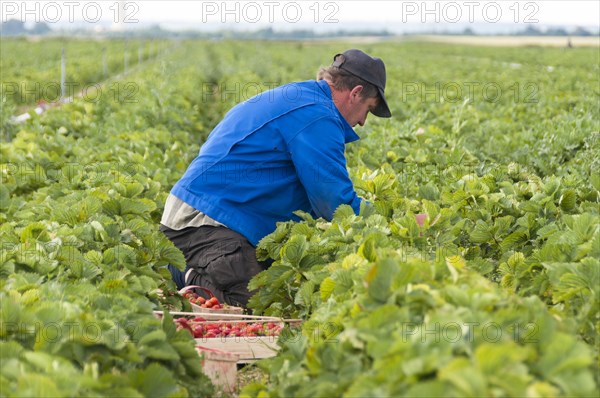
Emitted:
pixel 220 367
pixel 247 348
pixel 224 310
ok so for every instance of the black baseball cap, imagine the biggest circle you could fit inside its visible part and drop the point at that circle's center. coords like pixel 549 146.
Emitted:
pixel 369 69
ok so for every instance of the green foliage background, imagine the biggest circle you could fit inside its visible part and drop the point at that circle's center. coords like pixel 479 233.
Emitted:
pixel 510 243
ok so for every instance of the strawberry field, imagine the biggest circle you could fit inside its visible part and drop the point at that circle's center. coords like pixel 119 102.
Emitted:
pixel 33 71
pixel 475 271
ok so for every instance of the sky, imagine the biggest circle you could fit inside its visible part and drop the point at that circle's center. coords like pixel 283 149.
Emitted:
pixel 394 15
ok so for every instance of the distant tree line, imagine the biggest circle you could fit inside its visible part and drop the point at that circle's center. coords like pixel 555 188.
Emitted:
pixel 533 31
pixel 15 27
pixel 528 31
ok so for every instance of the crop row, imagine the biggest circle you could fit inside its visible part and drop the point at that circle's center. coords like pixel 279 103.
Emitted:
pixel 496 293
pixel 82 258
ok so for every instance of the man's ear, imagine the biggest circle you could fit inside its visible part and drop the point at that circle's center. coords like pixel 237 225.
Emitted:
pixel 355 93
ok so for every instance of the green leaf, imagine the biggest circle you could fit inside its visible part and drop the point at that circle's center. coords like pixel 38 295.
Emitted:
pixel 567 200
pixel 37 385
pixel 36 231
pixel 343 212
pixel 564 358
pixel 302 229
pixel 367 249
pixel 303 297
pixel 4 197
pixel 455 264
pixel 429 192
pixel 379 279
pixel 168 326
pixel 326 288
pixel 154 381
pixel 595 180
pixel 481 233
pixel 513 240
pixel 169 254
pixel 129 190
pixel 467 380
pixel 154 345
pixel 295 249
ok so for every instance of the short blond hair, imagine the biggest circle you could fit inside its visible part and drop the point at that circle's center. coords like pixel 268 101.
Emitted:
pixel 343 80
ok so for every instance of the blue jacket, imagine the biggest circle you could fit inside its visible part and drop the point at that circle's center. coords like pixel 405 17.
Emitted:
pixel 275 153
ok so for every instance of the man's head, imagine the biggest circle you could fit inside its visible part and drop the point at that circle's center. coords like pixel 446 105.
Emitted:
pixel 358 84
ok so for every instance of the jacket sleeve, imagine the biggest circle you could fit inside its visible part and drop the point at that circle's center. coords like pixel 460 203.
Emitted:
pixel 318 155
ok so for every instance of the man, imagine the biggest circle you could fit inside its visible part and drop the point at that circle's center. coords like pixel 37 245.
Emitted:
pixel 278 152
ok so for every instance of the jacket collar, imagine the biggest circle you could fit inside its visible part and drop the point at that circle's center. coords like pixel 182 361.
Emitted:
pixel 349 133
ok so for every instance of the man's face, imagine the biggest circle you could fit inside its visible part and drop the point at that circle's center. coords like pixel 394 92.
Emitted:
pixel 356 108
pixel 361 111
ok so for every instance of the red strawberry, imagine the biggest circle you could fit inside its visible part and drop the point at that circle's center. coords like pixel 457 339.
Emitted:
pixel 213 300
pixel 420 219
pixel 197 331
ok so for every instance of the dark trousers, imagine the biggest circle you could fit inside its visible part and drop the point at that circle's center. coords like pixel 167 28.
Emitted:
pixel 221 260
